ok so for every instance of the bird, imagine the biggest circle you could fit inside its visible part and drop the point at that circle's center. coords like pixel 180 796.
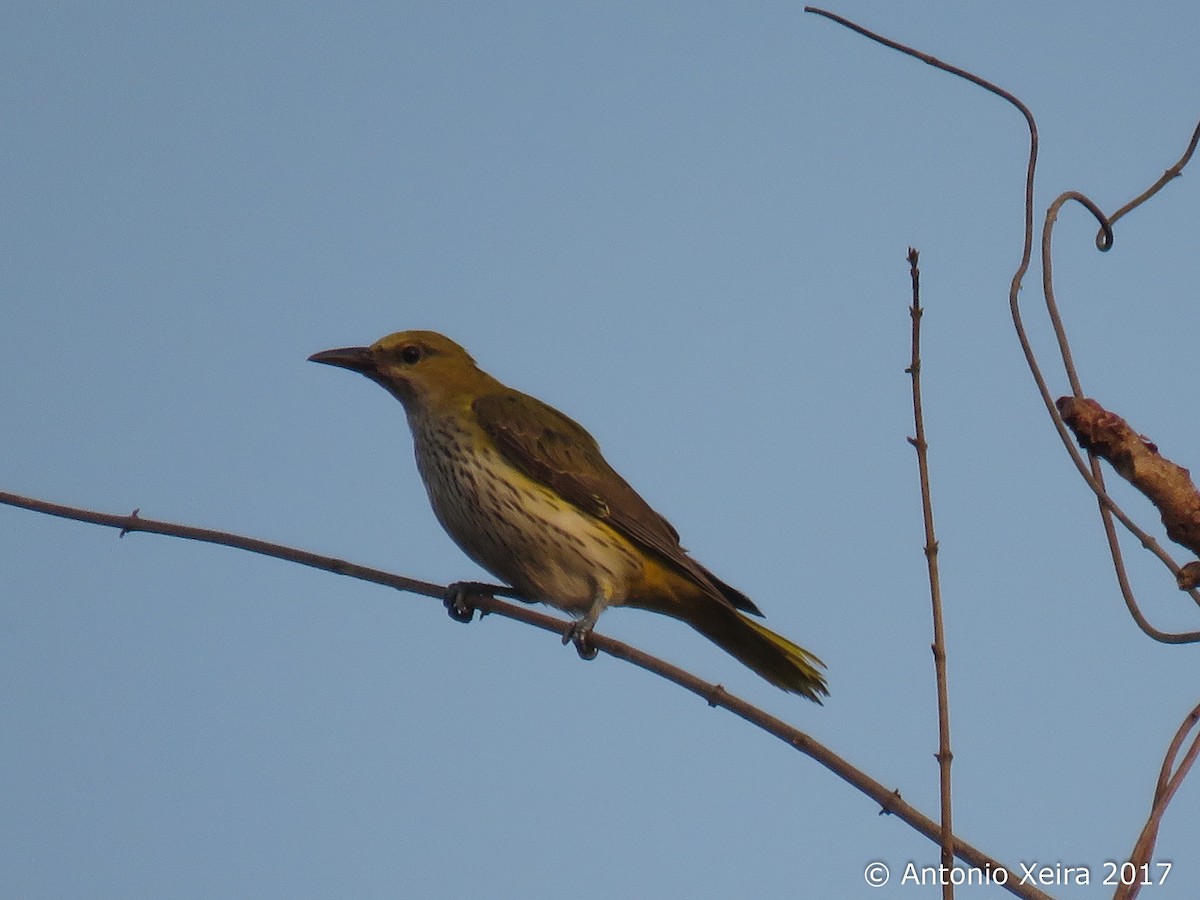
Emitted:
pixel 525 492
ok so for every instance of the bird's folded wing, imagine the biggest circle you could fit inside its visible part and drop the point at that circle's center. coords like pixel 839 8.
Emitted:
pixel 556 451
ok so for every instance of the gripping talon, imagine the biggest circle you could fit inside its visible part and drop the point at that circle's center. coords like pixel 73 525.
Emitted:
pixel 577 633
pixel 458 600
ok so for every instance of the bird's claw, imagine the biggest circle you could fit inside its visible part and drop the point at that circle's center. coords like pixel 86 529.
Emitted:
pixel 578 633
pixel 458 600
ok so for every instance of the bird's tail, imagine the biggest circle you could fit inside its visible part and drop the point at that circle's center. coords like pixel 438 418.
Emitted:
pixel 774 657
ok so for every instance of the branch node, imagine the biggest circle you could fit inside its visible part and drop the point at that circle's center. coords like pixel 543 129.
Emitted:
pixel 887 807
pixel 131 525
pixel 1189 576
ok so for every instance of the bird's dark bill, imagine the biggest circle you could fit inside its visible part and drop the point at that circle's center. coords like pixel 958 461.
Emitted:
pixel 357 359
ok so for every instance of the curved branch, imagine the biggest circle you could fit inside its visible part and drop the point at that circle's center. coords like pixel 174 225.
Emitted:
pixel 1169 780
pixel 890 801
pixel 1172 173
pixel 1090 471
pixel 1104 240
pixel 1092 474
pixel 1027 252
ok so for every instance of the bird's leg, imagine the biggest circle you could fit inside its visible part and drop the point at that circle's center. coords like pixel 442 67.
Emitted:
pixel 458 599
pixel 580 630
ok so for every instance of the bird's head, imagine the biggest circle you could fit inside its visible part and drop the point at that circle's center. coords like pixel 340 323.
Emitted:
pixel 422 369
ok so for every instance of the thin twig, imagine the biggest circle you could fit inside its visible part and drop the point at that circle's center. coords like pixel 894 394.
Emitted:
pixel 1169 780
pixel 1094 477
pixel 1091 474
pixel 1027 251
pixel 1169 175
pixel 715 695
pixel 1091 471
pixel 944 756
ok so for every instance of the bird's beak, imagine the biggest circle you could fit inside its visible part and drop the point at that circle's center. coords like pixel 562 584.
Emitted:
pixel 357 359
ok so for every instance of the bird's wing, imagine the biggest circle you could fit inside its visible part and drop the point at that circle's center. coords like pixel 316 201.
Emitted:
pixel 555 450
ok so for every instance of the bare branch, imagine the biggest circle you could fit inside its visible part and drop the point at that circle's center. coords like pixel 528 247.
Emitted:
pixel 1094 477
pixel 715 695
pixel 1090 473
pixel 944 756
pixel 1169 780
pixel 1172 173
pixel 1027 252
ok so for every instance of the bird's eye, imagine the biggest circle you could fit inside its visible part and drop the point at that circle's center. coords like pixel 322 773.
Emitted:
pixel 410 354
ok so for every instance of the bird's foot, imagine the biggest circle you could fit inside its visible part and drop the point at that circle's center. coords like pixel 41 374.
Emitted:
pixel 579 634
pixel 458 599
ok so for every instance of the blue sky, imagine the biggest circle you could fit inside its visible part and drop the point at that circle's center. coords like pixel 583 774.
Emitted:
pixel 683 224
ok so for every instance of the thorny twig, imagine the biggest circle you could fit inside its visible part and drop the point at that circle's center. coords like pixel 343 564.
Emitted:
pixel 1090 472
pixel 944 755
pixel 482 598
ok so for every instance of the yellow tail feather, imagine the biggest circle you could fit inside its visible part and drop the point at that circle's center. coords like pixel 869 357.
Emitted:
pixel 774 657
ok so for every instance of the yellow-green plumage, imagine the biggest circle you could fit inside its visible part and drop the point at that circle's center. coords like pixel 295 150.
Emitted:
pixel 526 493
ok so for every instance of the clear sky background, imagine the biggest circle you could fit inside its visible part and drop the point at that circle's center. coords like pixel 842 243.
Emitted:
pixel 685 225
